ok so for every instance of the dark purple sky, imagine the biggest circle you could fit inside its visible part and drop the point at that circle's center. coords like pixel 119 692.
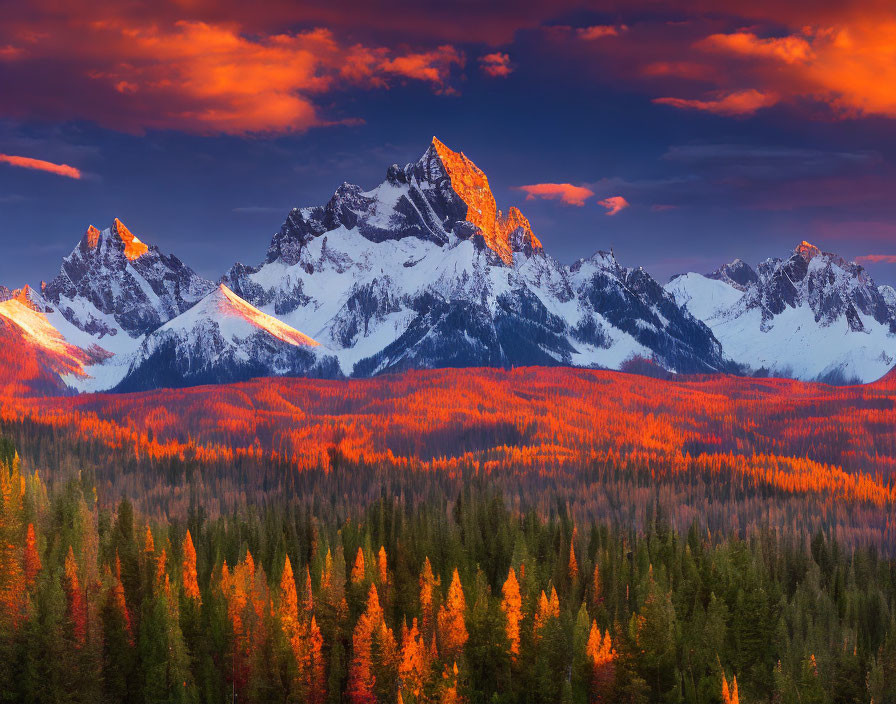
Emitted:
pixel 730 133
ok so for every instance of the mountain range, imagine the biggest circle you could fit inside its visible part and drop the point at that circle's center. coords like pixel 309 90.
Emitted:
pixel 425 271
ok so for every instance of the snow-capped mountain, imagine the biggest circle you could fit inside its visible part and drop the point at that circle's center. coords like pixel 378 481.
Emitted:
pixel 223 339
pixel 813 315
pixel 114 286
pixel 424 271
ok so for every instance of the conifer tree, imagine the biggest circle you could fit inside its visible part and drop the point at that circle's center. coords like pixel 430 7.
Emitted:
pixel 452 628
pixel 512 606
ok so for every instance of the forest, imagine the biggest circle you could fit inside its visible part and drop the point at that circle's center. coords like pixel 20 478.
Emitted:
pixel 525 535
pixel 732 452
pixel 453 598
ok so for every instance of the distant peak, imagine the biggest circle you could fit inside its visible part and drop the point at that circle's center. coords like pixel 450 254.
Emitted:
pixel 133 247
pixel 807 250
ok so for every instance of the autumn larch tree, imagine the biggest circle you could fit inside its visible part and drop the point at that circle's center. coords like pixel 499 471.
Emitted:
pixel 512 606
pixel 452 628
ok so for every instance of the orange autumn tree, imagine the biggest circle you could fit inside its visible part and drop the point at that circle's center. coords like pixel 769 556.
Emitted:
pixel 303 635
pixel 382 567
pixel 429 584
pixel 190 581
pixel 31 558
pixel 117 602
pixel 729 695
pixel 414 662
pixel 512 606
pixel 452 627
pixel 358 569
pixel 573 566
pixel 12 576
pixel 601 655
pixel 548 608
pixel 449 694
pixel 361 679
pixel 596 588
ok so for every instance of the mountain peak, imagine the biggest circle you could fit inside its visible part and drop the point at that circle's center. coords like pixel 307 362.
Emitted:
pixel 807 250
pixel 471 185
pixel 92 236
pixel 133 247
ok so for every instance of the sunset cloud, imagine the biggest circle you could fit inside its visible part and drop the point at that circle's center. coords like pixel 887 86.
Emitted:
pixel 790 49
pixel 496 65
pixel 211 79
pixel 614 204
pixel 26 162
pixel 741 103
pixel 848 67
pixel 878 258
pixel 599 31
pixel 565 192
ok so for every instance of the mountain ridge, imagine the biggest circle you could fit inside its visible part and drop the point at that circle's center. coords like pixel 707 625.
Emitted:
pixel 425 271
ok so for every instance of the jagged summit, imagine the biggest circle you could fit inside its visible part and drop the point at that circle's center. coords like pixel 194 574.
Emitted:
pixel 113 282
pixel 470 183
pixel 807 250
pixel 421 271
pixel 118 236
pixel 441 198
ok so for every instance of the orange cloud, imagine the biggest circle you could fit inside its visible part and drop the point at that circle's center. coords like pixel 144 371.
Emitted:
pixel 789 49
pixel 600 30
pixel 878 258
pixel 614 204
pixel 26 162
pixel 565 192
pixel 849 66
pixel 496 65
pixel 211 79
pixel 740 103
pixel 432 66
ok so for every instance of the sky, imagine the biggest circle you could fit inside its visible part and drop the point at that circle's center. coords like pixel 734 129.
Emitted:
pixel 680 134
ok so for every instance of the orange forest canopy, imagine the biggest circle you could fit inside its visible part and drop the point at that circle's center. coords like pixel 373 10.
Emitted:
pixel 833 444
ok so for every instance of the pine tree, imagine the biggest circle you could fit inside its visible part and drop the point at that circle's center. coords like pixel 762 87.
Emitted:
pixel 358 570
pixel 77 609
pixel 31 557
pixel 361 681
pixel 452 629
pixel 190 581
pixel 512 606
pixel 429 585
pixel 414 663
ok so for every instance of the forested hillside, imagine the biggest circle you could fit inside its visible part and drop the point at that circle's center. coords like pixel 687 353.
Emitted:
pixel 734 452
pixel 454 598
